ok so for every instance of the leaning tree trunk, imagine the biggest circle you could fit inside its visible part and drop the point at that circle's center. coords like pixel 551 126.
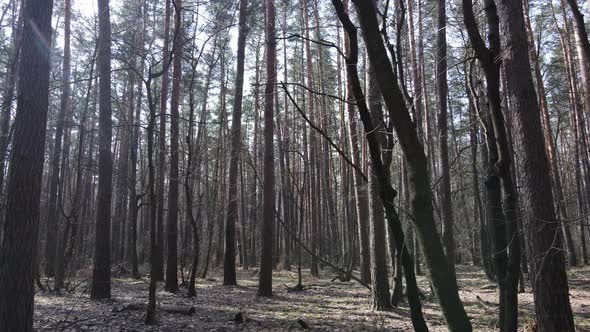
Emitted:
pixel 550 146
pixel 550 287
pixel 386 191
pixel 443 281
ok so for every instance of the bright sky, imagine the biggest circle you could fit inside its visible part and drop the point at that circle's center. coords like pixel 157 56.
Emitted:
pixel 87 7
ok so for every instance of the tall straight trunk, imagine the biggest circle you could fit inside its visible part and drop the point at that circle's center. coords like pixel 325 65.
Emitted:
pixel 550 287
pixel 229 266
pixel 420 121
pixel 171 283
pixel 133 209
pixel 19 250
pixel 267 229
pixel 441 274
pixel 52 208
pixel 151 308
pixel 286 184
pixel 159 273
pixel 360 193
pixel 313 143
pixel 188 186
pixel 329 214
pixel 416 76
pixel 379 277
pixel 122 179
pixel 101 273
pixel 442 90
pixel 221 159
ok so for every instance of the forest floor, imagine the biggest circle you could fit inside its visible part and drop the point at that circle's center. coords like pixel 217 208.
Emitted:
pixel 323 305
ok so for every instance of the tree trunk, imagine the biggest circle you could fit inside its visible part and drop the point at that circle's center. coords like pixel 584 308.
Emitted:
pixel 19 250
pixel 171 284
pixel 360 193
pixel 441 275
pixel 229 266
pixel 101 274
pixel 52 250
pixel 52 215
pixel 550 288
pixel 442 89
pixel 379 279
pixel 267 229
pixel 386 191
pixel 166 55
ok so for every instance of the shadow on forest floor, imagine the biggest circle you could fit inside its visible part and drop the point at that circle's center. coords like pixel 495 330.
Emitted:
pixel 323 305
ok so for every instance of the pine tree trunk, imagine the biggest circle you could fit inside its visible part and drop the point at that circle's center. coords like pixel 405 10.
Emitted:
pixel 19 250
pixel 171 283
pixel 550 288
pixel 101 276
pixel 268 207
pixel 160 186
pixel 441 275
pixel 442 89
pixel 229 266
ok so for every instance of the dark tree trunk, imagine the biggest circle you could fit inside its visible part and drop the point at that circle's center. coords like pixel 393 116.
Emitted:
pixel 444 284
pixel 52 214
pixel 133 209
pixel 386 191
pixel 360 189
pixel 101 273
pixel 53 252
pixel 379 279
pixel 229 266
pixel 442 89
pixel 550 287
pixel 171 284
pixel 160 186
pixel 267 229
pixel 19 250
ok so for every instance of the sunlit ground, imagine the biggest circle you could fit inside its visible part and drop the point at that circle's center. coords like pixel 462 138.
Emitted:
pixel 323 306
